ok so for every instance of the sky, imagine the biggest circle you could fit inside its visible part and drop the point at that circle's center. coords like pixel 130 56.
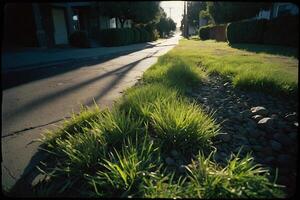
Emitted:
pixel 176 10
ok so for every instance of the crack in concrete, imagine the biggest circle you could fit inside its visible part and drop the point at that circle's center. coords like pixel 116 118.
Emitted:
pixel 34 127
pixel 9 173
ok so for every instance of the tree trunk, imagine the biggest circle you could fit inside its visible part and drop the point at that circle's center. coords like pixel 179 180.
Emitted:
pixel 122 22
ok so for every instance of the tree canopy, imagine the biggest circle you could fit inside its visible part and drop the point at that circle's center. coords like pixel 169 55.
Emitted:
pixel 223 12
pixel 194 8
pixel 138 12
pixel 165 24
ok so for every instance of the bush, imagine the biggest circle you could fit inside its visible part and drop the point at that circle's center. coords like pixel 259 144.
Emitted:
pixel 144 35
pixel 279 31
pixel 218 33
pixel 282 31
pixel 117 37
pixel 136 35
pixel 246 31
pixel 204 32
pixel 79 39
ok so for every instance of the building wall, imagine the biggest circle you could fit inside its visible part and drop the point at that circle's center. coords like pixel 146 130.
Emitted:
pixel 19 26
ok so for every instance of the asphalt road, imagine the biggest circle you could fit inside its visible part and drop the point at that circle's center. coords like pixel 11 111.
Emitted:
pixel 56 96
pixel 38 99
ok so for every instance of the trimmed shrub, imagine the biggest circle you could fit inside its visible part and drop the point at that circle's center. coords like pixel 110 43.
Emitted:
pixel 136 35
pixel 218 32
pixel 204 32
pixel 79 39
pixel 282 31
pixel 117 37
pixel 154 35
pixel 144 35
pixel 246 31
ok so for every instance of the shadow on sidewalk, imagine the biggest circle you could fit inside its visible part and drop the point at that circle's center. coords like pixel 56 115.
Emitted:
pixel 14 78
pixel 23 187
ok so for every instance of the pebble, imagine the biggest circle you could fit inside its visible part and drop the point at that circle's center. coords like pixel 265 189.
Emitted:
pixel 182 169
pixel 174 153
pixel 170 161
pixel 266 122
pixel 243 115
pixel 259 110
pixel 291 117
pixel 225 137
pixel 257 117
pixel 275 145
pixel 285 160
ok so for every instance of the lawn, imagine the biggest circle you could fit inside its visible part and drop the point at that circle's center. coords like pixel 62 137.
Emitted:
pixel 156 141
pixel 269 73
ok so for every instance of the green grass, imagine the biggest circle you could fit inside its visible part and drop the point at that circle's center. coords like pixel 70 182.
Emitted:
pixel 122 152
pixel 277 75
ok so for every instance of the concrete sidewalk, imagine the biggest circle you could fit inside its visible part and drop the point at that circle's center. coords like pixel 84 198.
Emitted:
pixel 36 58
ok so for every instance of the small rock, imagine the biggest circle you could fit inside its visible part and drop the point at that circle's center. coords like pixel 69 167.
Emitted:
pixel 275 145
pixel 182 169
pixel 259 110
pixel 242 131
pixel 225 84
pixel 174 153
pixel 257 148
pixel 296 124
pixel 266 122
pixel 257 117
pixel 291 117
pixel 267 150
pixel 269 160
pixel 245 113
pixel 285 160
pixel 274 116
pixel 254 134
pixel 252 141
pixel 283 139
pixel 170 161
pixel 293 135
pixel 225 137
pixel 251 124
pixel 246 148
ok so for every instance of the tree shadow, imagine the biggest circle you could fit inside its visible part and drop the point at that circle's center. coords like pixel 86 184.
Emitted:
pixel 269 49
pixel 15 78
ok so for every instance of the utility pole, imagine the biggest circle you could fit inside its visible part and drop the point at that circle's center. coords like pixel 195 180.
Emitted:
pixel 186 28
pixel 170 11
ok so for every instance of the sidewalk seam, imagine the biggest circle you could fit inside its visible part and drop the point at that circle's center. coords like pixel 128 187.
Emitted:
pixel 34 127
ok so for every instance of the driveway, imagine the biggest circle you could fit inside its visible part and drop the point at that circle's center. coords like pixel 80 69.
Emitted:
pixel 52 94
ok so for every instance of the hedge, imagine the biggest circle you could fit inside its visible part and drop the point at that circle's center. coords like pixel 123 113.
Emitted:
pixel 204 32
pixel 124 36
pixel 218 32
pixel 282 31
pixel 246 31
pixel 79 39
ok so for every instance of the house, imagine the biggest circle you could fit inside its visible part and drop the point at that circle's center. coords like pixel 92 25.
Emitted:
pixel 277 10
pixel 50 24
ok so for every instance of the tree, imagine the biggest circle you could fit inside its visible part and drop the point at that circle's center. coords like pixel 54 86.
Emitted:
pixel 138 12
pixel 165 26
pixel 194 8
pixel 224 12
